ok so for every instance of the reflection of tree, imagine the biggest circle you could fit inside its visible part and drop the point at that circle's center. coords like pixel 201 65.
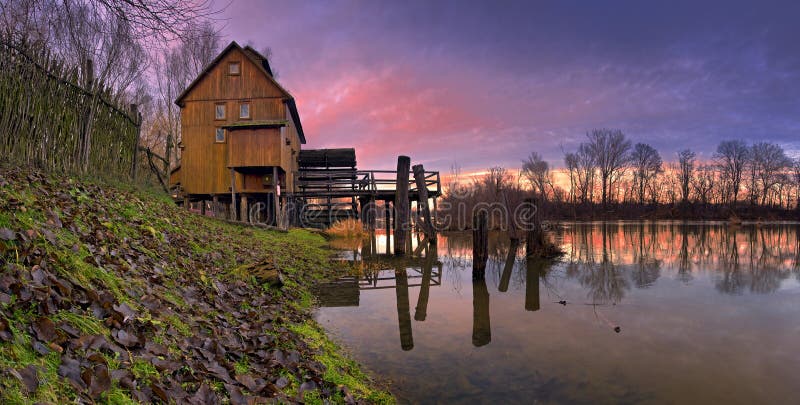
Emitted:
pixel 606 283
pixel 647 269
pixel 684 261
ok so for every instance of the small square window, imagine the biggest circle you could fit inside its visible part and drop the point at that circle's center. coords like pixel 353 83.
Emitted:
pixel 220 135
pixel 244 110
pixel 234 68
pixel 219 112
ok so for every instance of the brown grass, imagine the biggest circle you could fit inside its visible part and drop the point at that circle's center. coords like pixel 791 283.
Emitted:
pixel 347 228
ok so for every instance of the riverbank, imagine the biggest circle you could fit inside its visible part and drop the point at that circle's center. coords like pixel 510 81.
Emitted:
pixel 113 294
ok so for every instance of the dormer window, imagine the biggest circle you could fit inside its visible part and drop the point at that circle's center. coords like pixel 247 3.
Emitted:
pixel 244 110
pixel 219 112
pixel 234 68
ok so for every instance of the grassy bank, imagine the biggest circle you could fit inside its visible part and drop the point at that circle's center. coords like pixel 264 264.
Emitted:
pixel 114 295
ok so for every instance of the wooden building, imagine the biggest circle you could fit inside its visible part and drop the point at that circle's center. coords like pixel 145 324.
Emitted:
pixel 241 137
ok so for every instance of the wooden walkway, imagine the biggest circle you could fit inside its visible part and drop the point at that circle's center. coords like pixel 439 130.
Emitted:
pixel 330 187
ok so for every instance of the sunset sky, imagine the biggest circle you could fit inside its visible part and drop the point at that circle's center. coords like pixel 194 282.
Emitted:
pixel 486 83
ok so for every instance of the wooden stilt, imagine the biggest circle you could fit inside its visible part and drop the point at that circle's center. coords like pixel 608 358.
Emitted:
pixel 186 203
pixel 401 205
pixel 480 245
pixel 203 207
pixel 215 206
pixel 422 203
pixel 276 196
pixel 244 216
pixel 234 215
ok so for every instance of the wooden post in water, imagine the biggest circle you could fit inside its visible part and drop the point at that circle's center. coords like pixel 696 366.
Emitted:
pixel 422 203
pixel 511 258
pixel 401 205
pixel 480 244
pixel 534 241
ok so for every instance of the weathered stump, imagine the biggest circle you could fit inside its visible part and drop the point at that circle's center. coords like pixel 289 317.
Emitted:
pixel 480 245
pixel 401 206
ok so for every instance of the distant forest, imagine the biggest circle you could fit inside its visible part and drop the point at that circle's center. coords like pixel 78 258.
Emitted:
pixel 610 177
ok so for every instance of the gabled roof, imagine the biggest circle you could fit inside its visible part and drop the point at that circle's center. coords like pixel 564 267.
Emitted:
pixel 262 63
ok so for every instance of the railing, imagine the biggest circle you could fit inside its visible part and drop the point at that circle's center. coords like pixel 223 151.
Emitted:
pixel 344 182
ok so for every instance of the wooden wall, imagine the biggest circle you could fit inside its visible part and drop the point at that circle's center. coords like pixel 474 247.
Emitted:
pixel 205 163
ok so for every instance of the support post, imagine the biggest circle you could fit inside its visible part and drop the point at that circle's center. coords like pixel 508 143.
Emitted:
pixel 388 219
pixel 480 244
pixel 401 205
pixel 203 207
pixel 276 196
pixel 422 203
pixel 245 213
pixel 186 203
pixel 215 206
pixel 234 214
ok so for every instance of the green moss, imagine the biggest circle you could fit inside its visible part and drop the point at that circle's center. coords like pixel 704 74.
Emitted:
pixel 339 369
pixel 85 323
pixel 178 324
pixel 143 370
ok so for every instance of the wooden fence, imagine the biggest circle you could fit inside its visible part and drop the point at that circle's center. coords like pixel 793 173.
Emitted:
pixel 58 119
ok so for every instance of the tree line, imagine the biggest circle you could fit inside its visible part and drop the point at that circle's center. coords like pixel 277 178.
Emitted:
pixel 608 176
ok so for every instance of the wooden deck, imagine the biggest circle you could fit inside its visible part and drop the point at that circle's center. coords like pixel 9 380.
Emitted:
pixel 332 188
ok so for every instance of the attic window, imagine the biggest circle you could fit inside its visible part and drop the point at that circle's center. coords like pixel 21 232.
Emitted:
pixel 219 111
pixel 234 68
pixel 244 110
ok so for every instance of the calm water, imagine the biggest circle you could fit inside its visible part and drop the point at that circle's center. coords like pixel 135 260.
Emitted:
pixel 706 314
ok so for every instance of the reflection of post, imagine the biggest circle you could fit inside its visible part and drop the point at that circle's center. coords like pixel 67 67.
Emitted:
pixel 481 328
pixel 424 290
pixel 534 267
pixel 480 245
pixel 403 314
pixel 509 266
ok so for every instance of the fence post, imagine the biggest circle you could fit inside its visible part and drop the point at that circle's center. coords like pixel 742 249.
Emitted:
pixel 138 119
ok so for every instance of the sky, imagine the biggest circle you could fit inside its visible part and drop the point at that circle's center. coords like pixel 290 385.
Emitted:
pixel 483 84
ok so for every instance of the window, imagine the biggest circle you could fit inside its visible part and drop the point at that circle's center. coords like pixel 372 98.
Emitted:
pixel 220 135
pixel 234 68
pixel 219 112
pixel 244 110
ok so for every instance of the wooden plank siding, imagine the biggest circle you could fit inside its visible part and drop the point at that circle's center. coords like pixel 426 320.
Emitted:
pixel 205 163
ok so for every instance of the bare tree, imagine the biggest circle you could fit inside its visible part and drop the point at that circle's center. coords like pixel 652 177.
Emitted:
pixel 731 158
pixel 537 172
pixel 586 167
pixel 703 183
pixel 610 149
pixel 571 162
pixel 647 165
pixel 686 162
pixel 767 161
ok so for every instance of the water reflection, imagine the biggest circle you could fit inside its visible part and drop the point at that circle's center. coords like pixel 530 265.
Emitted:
pixel 481 326
pixel 673 289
